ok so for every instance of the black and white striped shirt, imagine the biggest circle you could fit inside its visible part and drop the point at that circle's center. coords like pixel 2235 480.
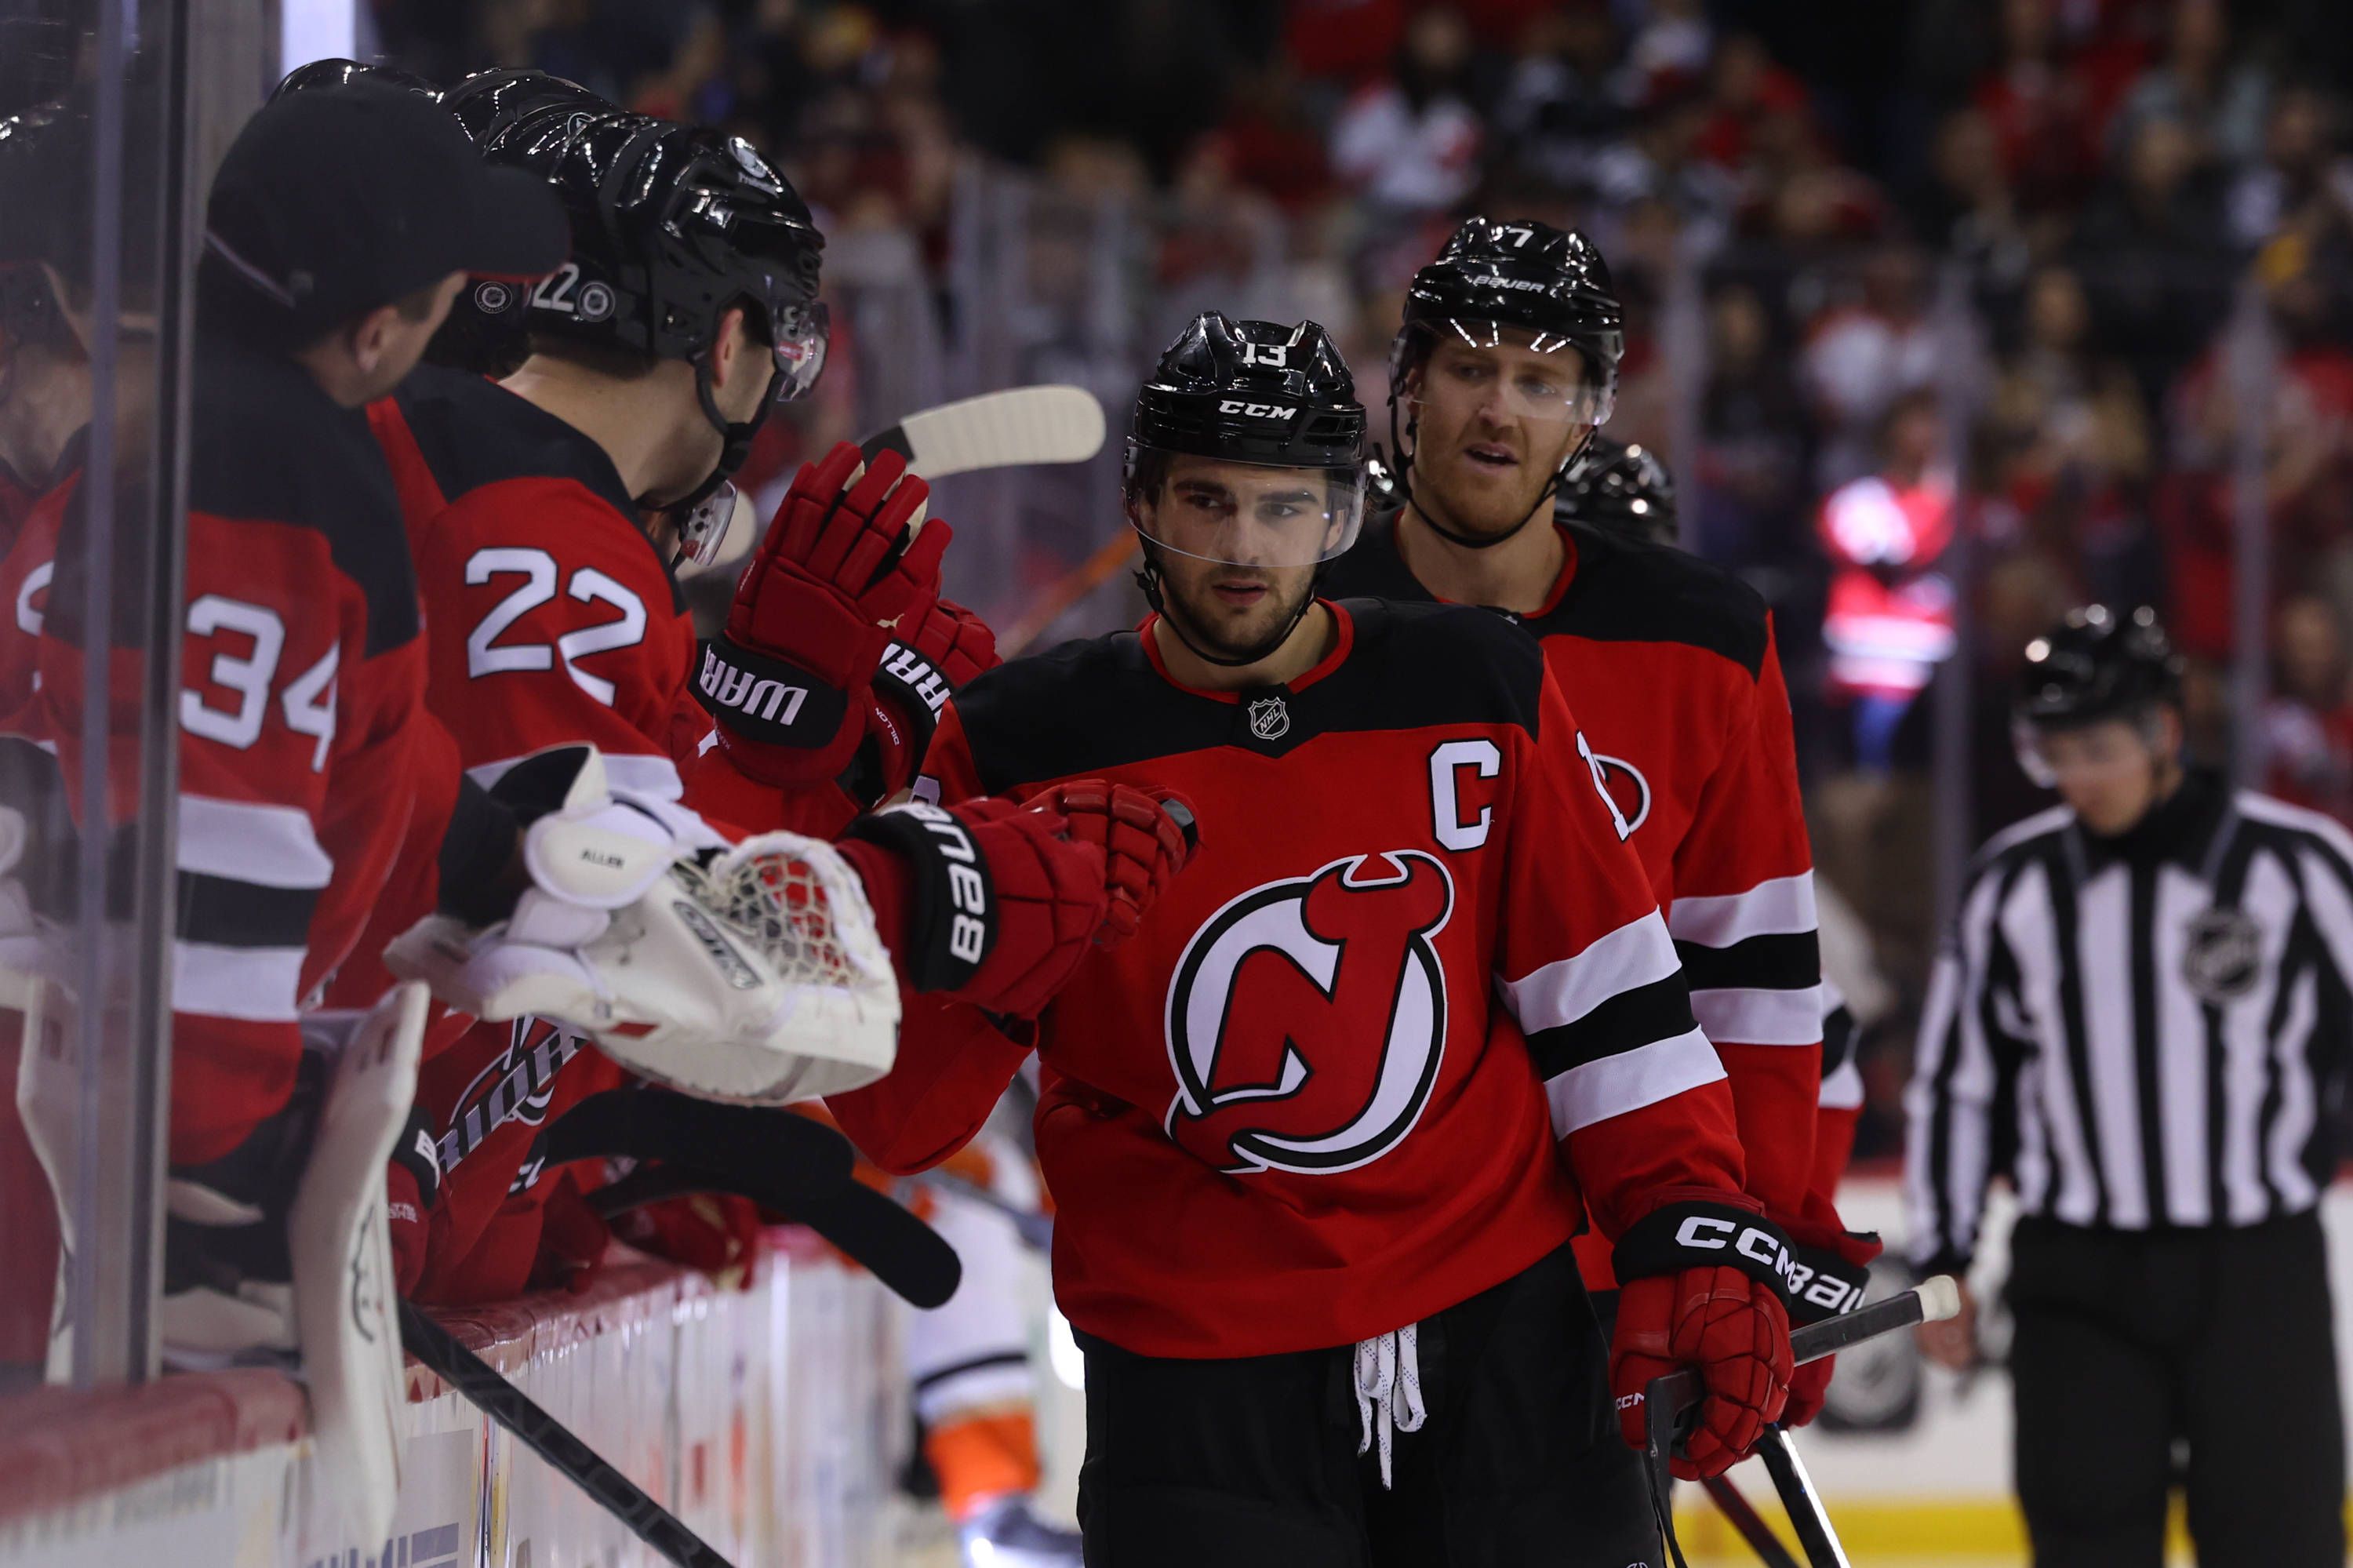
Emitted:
pixel 2140 1033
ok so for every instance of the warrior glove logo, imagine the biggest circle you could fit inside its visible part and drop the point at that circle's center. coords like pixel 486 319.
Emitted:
pixel 1308 1016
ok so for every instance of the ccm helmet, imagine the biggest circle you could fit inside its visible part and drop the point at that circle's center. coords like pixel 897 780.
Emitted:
pixel 1246 447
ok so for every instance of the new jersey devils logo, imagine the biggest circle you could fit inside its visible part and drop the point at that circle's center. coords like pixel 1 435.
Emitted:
pixel 1307 1017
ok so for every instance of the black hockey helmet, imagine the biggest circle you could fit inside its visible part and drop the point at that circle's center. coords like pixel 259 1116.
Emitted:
pixel 1623 488
pixel 320 74
pixel 1494 277
pixel 672 225
pixel 1520 283
pixel 2095 664
pixel 1250 395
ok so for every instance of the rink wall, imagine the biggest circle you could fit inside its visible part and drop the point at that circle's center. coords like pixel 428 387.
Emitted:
pixel 773 1420
pixel 770 1419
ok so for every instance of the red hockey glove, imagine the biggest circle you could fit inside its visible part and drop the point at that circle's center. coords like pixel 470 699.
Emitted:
pixel 930 660
pixel 572 1237
pixel 787 680
pixel 1701 1287
pixel 1146 836
pixel 1832 1269
pixel 715 1233
pixel 986 902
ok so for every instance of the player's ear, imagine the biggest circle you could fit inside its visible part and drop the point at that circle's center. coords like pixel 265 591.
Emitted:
pixel 367 338
pixel 729 348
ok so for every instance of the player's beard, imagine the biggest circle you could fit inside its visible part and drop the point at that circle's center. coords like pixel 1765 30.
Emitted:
pixel 1451 487
pixel 1214 626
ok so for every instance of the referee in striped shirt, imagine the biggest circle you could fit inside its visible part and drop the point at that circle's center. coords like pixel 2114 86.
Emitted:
pixel 2141 1020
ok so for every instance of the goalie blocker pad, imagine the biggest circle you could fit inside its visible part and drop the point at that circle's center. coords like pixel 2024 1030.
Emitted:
pixel 952 925
pixel 767 700
pixel 1701 1235
pixel 340 1241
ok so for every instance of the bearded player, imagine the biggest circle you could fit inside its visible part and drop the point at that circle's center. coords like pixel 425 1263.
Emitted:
pixel 1319 1133
pixel 1506 363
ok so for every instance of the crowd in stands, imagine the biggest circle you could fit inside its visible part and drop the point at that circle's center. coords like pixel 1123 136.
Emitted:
pixel 1943 311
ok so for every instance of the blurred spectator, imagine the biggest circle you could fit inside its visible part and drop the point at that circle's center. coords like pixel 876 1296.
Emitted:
pixel 1751 502
pixel 2307 724
pixel 1670 50
pixel 1967 207
pixel 1410 145
pixel 2198 87
pixel 1890 622
pixel 1862 353
pixel 2150 244
pixel 1348 40
pixel 2040 111
pixel 2305 180
pixel 2071 447
pixel 1565 104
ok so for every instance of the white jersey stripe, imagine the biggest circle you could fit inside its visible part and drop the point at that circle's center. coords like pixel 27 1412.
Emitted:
pixel 1636 954
pixel 1778 906
pixel 1744 1017
pixel 1595 1091
pixel 259 985
pixel 269 846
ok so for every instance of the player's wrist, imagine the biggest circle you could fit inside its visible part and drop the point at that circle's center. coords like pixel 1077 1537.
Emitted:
pixel 1830 1268
pixel 946 913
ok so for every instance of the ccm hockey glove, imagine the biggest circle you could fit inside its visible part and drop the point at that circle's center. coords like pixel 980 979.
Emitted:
pixel 1702 1285
pixel 787 682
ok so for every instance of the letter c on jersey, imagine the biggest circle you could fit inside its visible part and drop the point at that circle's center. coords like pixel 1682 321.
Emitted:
pixel 1445 806
pixel 1276 1000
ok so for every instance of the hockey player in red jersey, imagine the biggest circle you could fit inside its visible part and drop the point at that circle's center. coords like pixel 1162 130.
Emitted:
pixel 546 512
pixel 1320 1132
pixel 1506 363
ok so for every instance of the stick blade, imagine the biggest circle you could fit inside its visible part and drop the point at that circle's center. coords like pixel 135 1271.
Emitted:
pixel 1012 428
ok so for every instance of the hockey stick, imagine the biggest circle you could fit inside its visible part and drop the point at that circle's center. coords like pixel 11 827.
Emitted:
pixel 1014 427
pixel 1799 1499
pixel 1066 590
pixel 1669 1401
pixel 788 1164
pixel 1734 1504
pixel 1011 429
pixel 503 1402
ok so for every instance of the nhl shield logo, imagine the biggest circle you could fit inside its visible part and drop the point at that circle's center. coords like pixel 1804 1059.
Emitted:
pixel 2223 955
pixel 1270 718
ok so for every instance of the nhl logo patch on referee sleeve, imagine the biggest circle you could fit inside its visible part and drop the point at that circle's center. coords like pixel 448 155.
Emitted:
pixel 2222 955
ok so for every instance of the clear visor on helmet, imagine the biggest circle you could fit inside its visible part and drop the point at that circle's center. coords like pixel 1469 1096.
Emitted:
pixel 1510 374
pixel 703 528
pixel 2087 751
pixel 801 333
pixel 1244 514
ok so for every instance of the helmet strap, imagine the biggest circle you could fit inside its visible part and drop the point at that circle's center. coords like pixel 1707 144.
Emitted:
pixel 734 436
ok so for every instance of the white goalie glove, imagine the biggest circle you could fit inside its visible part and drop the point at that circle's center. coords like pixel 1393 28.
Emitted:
pixel 750 972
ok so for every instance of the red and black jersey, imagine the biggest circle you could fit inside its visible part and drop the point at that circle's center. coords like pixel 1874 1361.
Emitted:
pixel 1407 1015
pixel 301 687
pixel 1670 664
pixel 28 562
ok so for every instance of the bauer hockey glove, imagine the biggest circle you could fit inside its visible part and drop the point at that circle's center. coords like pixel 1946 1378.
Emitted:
pixel 1702 1285
pixel 1830 1270
pixel 991 901
pixel 787 682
